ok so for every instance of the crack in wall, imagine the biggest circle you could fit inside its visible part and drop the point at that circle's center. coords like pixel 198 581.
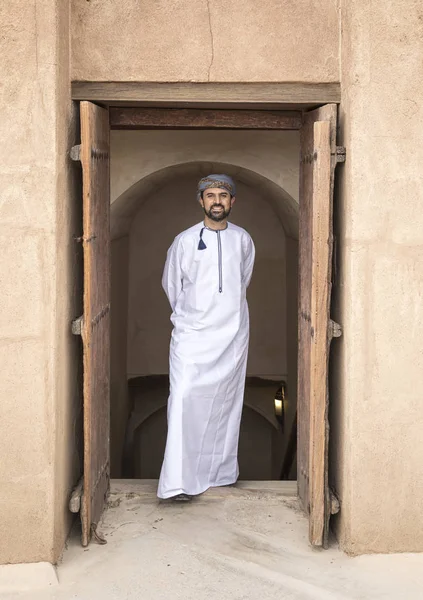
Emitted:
pixel 211 41
pixel 36 37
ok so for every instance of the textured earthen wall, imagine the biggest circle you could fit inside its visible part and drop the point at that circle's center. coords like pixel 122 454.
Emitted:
pixel 38 383
pixel 377 407
pixel 207 40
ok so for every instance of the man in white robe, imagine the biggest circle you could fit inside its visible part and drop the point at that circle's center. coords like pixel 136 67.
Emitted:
pixel 207 272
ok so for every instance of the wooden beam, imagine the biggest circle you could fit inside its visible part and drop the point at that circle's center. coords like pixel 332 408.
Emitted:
pixel 194 118
pixel 134 93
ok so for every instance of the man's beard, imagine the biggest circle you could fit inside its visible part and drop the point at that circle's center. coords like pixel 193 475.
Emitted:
pixel 221 216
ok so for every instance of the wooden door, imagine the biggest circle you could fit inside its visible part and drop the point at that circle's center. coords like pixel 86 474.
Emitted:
pixel 95 326
pixel 318 161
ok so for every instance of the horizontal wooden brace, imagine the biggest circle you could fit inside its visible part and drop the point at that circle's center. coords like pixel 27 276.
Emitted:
pixel 194 118
pixel 139 92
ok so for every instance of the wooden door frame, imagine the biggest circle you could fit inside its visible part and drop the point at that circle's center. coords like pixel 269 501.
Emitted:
pixel 261 106
pixel 206 106
pixel 263 96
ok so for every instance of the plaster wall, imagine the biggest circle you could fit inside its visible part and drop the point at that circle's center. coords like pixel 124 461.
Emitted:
pixel 212 40
pixel 138 154
pixel 39 381
pixel 377 407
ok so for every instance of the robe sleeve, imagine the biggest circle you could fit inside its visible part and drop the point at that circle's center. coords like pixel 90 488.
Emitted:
pixel 249 257
pixel 172 274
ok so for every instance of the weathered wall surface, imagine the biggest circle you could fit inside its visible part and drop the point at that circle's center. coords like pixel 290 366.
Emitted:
pixel 208 40
pixel 39 408
pixel 378 409
pixel 137 154
pixel 68 290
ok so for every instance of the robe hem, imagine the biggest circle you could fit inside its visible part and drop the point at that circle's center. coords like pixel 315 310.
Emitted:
pixel 173 493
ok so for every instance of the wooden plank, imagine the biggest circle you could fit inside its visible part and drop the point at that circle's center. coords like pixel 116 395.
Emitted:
pixel 320 298
pixel 318 161
pixel 328 114
pixel 171 118
pixel 96 320
pixel 131 92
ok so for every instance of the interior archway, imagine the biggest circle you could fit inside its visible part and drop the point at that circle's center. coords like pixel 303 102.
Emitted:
pixel 145 219
pixel 127 204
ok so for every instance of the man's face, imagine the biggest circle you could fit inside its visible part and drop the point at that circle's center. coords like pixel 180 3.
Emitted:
pixel 217 203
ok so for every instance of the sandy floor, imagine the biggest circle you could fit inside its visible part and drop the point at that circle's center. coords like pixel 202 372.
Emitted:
pixel 241 543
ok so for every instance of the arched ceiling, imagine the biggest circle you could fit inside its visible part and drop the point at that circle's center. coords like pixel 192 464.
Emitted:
pixel 124 208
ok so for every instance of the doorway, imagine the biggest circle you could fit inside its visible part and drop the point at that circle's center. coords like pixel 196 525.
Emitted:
pixel 140 313
pixel 318 160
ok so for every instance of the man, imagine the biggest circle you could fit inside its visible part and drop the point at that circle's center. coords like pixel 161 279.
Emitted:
pixel 207 272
